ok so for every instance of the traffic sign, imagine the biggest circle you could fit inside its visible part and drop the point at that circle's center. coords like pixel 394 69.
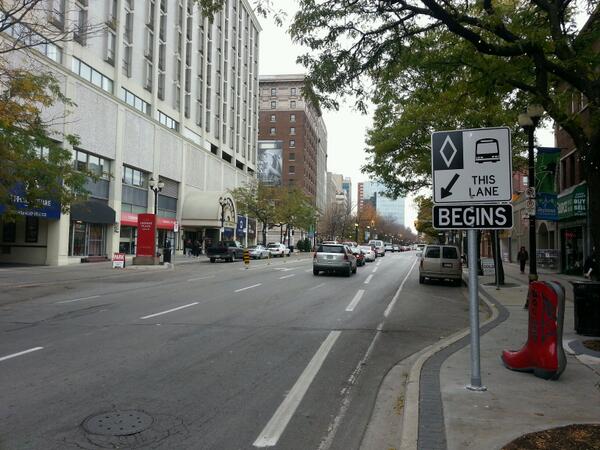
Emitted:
pixel 472 166
pixel 465 217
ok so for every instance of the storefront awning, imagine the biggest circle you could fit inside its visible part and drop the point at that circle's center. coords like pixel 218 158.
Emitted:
pixel 93 211
pixel 203 209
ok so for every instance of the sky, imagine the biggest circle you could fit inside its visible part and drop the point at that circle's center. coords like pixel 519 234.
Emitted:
pixel 346 127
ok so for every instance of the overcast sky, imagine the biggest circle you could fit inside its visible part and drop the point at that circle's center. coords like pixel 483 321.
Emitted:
pixel 346 128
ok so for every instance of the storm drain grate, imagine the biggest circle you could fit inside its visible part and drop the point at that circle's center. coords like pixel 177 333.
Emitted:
pixel 118 423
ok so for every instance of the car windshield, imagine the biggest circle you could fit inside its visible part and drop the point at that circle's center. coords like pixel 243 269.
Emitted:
pixel 330 249
pixel 273 245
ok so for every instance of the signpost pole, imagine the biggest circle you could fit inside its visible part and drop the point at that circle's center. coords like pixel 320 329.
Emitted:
pixel 474 314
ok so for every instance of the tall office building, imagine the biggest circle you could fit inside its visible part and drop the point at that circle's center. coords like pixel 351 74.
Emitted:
pixel 292 144
pixel 372 192
pixel 347 188
pixel 163 94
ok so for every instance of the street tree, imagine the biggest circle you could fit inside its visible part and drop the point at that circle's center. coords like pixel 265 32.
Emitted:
pixel 532 49
pixel 293 209
pixel 257 200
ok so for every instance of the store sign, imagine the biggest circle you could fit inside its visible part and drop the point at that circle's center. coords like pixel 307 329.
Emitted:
pixel 48 209
pixel 118 261
pixel 547 207
pixel 573 204
pixel 146 238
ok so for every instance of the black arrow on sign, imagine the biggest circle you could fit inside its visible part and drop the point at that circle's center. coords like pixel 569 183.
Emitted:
pixel 446 191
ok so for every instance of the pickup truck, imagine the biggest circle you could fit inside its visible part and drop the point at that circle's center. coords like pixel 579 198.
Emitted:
pixel 227 250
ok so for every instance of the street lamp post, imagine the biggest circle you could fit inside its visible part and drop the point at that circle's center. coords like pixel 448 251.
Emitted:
pixel 529 121
pixel 356 232
pixel 156 186
pixel 222 203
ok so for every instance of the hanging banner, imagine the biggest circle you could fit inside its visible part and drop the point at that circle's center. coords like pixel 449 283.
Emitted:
pixel 546 165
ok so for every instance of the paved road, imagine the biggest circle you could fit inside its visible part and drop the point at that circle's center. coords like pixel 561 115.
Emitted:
pixel 218 356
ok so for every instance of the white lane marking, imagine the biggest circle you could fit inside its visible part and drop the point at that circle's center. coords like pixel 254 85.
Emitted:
pixel 24 352
pixel 316 287
pixel 355 300
pixel 287 276
pixel 397 294
pixel 308 270
pixel 378 262
pixel 276 426
pixel 78 299
pixel 201 278
pixel 368 280
pixel 248 287
pixel 375 269
pixel 169 310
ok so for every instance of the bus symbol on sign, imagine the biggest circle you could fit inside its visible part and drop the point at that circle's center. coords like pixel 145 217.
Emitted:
pixel 487 150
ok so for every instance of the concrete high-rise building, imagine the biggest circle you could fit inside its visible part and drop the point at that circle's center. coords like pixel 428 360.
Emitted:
pixel 347 188
pixel 292 136
pixel 162 93
pixel 370 191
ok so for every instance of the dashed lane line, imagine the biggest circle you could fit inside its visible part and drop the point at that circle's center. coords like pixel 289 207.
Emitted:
pixel 287 276
pixel 78 299
pixel 355 300
pixel 248 287
pixel 24 352
pixel 168 311
pixel 369 278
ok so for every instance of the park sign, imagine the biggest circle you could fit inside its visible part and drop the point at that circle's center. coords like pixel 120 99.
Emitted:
pixel 472 166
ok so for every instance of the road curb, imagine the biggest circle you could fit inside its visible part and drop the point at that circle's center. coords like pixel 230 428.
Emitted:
pixel 410 418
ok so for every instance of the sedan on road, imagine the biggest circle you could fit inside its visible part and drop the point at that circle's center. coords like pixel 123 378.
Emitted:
pixel 369 253
pixel 334 258
pixel 278 250
pixel 359 255
pixel 258 252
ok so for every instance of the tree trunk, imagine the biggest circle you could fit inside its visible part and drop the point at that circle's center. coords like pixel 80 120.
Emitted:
pixel 264 232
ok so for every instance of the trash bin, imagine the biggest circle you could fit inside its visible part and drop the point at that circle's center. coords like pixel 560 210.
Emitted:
pixel 586 296
pixel 166 255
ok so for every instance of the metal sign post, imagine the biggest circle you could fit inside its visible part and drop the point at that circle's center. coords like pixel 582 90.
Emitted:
pixel 474 313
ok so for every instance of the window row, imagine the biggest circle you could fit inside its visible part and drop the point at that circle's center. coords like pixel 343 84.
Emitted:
pixel 274 104
pixel 273 131
pixel 92 75
pixel 293 91
pixel 133 100
pixel 292 118
pixel 85 161
pixel 168 121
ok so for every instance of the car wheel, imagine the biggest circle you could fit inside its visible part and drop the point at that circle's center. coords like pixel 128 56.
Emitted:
pixel 354 270
pixel 348 272
pixel 232 258
pixel 315 272
pixel 421 280
pixel 212 260
pixel 458 282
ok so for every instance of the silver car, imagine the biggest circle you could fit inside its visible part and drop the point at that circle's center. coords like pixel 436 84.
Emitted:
pixel 334 258
pixel 258 252
pixel 441 262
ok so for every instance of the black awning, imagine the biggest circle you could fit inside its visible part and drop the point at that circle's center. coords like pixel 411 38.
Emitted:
pixel 93 211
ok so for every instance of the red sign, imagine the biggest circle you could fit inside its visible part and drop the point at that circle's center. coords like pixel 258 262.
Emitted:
pixel 129 219
pixel 118 260
pixel 146 238
pixel 164 223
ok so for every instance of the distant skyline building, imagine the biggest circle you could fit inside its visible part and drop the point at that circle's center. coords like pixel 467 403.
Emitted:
pixel 371 192
pixel 347 188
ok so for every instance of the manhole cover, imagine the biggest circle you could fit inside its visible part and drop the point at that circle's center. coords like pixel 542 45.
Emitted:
pixel 118 423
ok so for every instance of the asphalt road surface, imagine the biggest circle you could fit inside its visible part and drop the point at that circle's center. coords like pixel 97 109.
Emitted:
pixel 208 356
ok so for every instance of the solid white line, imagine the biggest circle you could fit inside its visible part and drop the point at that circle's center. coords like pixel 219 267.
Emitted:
pixel 276 426
pixel 397 294
pixel 201 278
pixel 316 287
pixel 78 299
pixel 168 311
pixel 248 287
pixel 14 355
pixel 368 280
pixel 287 276
pixel 375 269
pixel 355 300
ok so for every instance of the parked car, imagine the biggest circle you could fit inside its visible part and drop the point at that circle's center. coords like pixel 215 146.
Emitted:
pixel 441 262
pixel 398 248
pixel 258 252
pixel 278 249
pixel 420 247
pixel 227 250
pixel 369 253
pixel 379 247
pixel 388 247
pixel 359 255
pixel 334 258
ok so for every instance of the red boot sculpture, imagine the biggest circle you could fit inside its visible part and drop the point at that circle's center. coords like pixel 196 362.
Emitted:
pixel 543 353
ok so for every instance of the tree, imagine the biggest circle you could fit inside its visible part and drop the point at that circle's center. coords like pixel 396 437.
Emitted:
pixel 530 48
pixel 293 209
pixel 257 200
pixel 424 222
pixel 34 165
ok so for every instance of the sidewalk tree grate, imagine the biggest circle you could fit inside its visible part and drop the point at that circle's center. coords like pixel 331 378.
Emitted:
pixel 118 423
pixel 570 437
pixel 593 344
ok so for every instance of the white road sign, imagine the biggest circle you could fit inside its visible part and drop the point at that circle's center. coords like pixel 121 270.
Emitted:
pixel 472 166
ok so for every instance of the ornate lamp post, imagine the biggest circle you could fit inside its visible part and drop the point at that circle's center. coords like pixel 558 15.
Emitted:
pixel 223 204
pixel 356 232
pixel 156 186
pixel 529 121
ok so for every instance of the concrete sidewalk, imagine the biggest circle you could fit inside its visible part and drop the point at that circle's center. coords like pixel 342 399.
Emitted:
pixel 515 403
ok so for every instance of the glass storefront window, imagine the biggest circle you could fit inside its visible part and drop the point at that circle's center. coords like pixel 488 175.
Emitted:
pixel 572 250
pixel 87 239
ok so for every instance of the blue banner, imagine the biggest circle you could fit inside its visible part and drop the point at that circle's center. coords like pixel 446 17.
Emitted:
pixel 546 206
pixel 241 225
pixel 49 209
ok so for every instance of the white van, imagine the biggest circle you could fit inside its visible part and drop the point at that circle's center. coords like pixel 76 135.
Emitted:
pixel 379 247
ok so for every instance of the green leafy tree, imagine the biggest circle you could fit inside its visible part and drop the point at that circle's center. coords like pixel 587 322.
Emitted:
pixel 529 50
pixel 257 200
pixel 294 209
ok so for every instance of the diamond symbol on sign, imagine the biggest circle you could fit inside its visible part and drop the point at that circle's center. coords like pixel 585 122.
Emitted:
pixel 448 144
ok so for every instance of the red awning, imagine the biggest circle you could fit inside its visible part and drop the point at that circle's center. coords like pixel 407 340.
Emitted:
pixel 131 219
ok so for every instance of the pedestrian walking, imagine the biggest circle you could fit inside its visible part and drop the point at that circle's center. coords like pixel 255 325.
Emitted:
pixel 187 247
pixel 591 266
pixel 522 257
pixel 196 248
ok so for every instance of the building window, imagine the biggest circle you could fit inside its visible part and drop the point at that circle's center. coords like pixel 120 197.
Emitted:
pixel 148 75
pixel 91 75
pixel 32 226
pixel 292 169
pixel 135 177
pixel 135 101
pixel 272 131
pixel 292 143
pixel 272 117
pixel 273 104
pixel 292 157
pixel 86 161
pixel 9 232
pixel 57 13
pixel 273 92
pixel 110 47
pixel 293 130
pixel 168 121
pixel 293 104
pixel 80 28
pixel 293 91
pixel 292 117
pixel 128 35
pixel 127 60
